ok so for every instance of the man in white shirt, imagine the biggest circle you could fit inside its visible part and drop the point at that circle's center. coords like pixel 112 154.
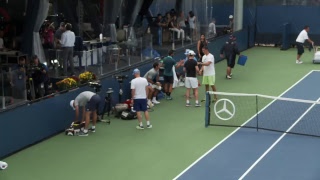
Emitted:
pixel 139 91
pixel 208 71
pixel 212 28
pixel 302 37
pixel 67 43
pixel 89 101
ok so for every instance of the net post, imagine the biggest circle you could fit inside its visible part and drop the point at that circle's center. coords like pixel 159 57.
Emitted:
pixel 207 111
pixel 257 113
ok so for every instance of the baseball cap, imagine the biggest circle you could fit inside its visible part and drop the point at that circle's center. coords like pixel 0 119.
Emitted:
pixel 192 53
pixel 230 17
pixel 71 104
pixel 135 71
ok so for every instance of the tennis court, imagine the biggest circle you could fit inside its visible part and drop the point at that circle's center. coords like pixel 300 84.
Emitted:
pixel 248 154
pixel 118 151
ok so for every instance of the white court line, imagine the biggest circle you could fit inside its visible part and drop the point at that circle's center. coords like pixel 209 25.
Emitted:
pixel 277 141
pixel 224 139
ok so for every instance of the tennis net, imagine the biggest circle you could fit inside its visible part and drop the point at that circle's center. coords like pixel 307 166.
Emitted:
pixel 262 112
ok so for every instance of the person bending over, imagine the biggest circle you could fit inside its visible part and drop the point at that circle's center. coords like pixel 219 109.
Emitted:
pixel 89 102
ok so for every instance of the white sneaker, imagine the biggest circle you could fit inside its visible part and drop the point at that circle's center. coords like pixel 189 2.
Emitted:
pixel 181 83
pixel 155 102
pixel 150 104
pixel 298 62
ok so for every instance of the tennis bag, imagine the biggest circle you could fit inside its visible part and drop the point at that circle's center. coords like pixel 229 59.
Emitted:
pixel 119 108
pixel 128 115
pixel 74 129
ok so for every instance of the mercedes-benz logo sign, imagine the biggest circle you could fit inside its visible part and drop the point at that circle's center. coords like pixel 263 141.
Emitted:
pixel 227 108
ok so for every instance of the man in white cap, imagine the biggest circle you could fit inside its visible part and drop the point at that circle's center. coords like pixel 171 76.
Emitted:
pixel 187 56
pixel 230 28
pixel 89 101
pixel 191 69
pixel 139 91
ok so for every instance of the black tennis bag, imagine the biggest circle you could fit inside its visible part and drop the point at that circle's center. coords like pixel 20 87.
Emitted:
pixel 74 129
pixel 128 115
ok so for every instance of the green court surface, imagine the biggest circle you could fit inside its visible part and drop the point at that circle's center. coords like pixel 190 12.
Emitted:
pixel 120 152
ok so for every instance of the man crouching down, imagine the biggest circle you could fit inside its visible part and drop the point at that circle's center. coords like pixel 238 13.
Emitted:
pixel 89 102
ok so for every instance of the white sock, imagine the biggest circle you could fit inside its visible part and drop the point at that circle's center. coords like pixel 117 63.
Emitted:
pixel 85 130
pixel 93 127
pixel 148 123
pixel 188 101
pixel 197 101
pixel 154 99
pixel 141 124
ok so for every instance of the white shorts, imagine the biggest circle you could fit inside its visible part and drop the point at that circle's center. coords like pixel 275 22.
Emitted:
pixel 191 82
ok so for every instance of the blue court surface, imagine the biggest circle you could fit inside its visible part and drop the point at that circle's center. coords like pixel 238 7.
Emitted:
pixel 266 155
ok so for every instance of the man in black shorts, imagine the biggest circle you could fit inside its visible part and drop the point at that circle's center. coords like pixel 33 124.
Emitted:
pixel 168 78
pixel 89 102
pixel 302 37
pixel 230 50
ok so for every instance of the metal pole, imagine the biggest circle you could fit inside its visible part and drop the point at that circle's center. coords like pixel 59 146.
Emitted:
pixel 206 19
pixel 257 111
pixel 129 57
pixel 141 49
pixel 3 97
pixel 238 15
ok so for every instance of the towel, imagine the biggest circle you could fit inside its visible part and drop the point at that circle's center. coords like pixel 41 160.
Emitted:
pixel 3 165
pixel 175 78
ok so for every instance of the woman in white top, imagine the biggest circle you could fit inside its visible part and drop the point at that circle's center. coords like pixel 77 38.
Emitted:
pixel 192 24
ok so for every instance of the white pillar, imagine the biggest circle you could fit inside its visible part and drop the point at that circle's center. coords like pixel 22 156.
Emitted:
pixel 238 15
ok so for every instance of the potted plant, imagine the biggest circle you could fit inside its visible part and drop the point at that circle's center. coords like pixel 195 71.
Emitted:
pixel 67 83
pixel 87 77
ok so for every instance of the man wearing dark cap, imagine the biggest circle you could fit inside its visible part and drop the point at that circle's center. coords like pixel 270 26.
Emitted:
pixel 168 75
pixel 230 50
pixel 139 91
